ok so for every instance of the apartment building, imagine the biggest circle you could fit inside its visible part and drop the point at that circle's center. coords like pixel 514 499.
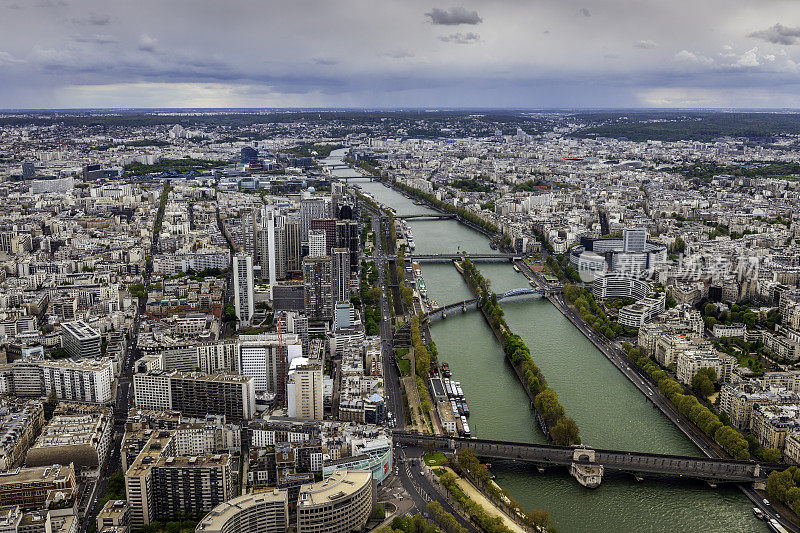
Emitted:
pixel 196 394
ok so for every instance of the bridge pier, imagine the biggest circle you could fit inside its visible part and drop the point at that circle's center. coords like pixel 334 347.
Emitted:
pixel 584 468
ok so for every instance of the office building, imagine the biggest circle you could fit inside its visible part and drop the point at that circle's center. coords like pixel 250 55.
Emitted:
pixel 288 296
pixel 249 155
pixel 317 243
pixel 311 208
pixel 318 287
pixel 243 288
pixel 262 512
pixel 348 236
pixel 328 225
pixel 28 170
pixel 634 239
pixel 80 340
pixel 340 259
pixel 293 245
pixel 342 502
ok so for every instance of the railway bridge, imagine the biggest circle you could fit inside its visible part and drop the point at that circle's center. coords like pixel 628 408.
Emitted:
pixel 577 459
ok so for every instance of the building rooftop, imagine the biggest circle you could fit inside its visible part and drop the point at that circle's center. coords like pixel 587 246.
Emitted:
pixel 340 484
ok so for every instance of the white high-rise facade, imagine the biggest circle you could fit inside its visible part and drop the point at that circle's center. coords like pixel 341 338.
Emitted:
pixel 243 288
pixel 316 243
pixel 634 239
pixel 260 357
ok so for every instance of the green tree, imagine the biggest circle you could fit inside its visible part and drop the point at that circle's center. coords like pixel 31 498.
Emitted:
pixel 565 432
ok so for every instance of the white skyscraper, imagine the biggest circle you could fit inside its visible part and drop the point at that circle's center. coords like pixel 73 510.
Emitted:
pixel 243 288
pixel 634 239
pixel 316 243
pixel 262 358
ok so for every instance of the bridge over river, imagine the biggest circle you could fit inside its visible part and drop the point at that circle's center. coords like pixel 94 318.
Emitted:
pixel 641 465
pixel 446 258
pixel 467 305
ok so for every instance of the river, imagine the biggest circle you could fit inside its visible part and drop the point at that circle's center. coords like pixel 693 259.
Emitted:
pixel 610 412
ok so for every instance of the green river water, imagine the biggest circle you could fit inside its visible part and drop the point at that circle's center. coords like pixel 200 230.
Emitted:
pixel 610 412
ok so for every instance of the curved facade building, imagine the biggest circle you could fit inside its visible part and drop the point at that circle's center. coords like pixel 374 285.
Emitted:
pixel 342 502
pixel 263 512
pixel 614 285
pixel 632 254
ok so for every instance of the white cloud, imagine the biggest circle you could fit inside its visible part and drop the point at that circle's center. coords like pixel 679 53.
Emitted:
pixel 147 43
pixel 646 44
pixel 690 57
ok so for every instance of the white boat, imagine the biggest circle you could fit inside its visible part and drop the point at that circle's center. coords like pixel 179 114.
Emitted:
pixel 516 268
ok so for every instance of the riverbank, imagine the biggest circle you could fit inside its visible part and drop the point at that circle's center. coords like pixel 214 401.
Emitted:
pixel 611 413
pixel 550 414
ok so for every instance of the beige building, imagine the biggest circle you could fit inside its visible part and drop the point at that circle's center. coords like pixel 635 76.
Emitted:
pixel 304 389
pixel 71 437
pixel 690 362
pixel 342 502
pixel 20 422
pixel 263 512
pixel 772 423
pixel 737 400
pixel 114 516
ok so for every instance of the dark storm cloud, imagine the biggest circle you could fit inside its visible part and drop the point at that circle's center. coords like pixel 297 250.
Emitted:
pixel 778 34
pixel 461 38
pixel 453 16
pixel 129 53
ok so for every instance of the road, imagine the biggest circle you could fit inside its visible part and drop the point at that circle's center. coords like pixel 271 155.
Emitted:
pixel 409 463
pixel 391 380
pixel 122 403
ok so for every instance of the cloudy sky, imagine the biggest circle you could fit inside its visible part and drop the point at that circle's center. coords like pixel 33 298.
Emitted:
pixel 399 53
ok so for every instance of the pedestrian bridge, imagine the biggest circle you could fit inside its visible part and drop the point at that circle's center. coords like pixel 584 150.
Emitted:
pixel 468 305
pixel 641 465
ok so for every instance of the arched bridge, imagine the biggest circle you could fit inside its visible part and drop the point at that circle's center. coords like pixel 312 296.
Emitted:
pixel 467 305
pixel 638 464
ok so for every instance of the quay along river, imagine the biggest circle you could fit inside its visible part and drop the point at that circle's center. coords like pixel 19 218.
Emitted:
pixel 610 412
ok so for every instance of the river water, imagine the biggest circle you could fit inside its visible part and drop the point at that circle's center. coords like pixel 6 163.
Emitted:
pixel 610 412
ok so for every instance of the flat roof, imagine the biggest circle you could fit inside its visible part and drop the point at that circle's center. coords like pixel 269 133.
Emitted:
pixel 340 484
